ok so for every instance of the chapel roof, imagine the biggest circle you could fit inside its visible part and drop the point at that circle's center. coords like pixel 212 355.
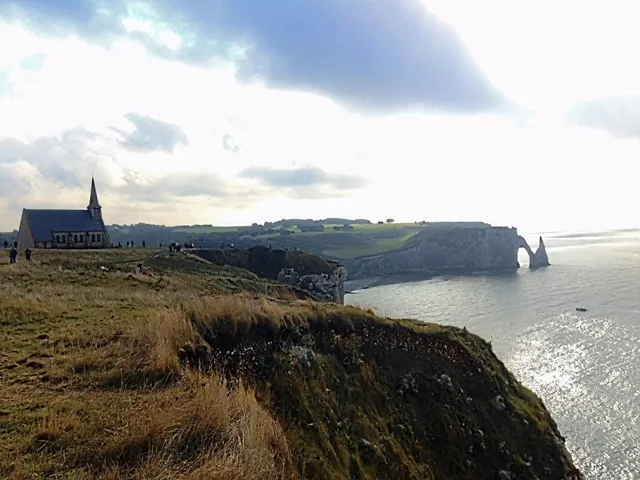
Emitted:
pixel 43 223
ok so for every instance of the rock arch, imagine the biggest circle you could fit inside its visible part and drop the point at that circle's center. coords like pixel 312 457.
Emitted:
pixel 538 258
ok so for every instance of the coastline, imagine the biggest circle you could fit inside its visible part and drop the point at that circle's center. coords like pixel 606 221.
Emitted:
pixel 353 286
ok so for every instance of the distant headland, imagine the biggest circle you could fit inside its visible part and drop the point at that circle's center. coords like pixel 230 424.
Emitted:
pixel 452 248
pixel 367 248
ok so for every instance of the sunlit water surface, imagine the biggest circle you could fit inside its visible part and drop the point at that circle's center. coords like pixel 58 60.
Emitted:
pixel 585 366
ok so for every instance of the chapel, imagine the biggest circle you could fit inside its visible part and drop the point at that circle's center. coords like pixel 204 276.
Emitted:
pixel 65 229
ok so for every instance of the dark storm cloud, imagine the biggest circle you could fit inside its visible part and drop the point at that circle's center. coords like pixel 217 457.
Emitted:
pixel 151 135
pixel 374 55
pixel 302 177
pixel 620 116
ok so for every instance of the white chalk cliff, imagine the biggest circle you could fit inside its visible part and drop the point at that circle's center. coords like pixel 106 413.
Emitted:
pixel 539 258
pixel 452 249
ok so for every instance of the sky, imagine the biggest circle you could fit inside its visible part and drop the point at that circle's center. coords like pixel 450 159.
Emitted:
pixel 231 112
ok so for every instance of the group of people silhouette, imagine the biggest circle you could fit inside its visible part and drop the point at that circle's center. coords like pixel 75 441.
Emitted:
pixel 13 252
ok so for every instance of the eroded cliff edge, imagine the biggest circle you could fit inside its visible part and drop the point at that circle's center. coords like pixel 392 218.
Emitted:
pixel 318 278
pixel 455 248
pixel 359 396
pixel 193 370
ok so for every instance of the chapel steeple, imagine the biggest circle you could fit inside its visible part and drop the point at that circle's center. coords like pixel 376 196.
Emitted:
pixel 94 206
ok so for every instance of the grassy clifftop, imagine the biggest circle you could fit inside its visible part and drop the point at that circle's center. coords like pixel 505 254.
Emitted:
pixel 267 263
pixel 199 371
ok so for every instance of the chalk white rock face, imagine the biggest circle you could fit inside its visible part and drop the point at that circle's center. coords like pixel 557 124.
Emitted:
pixel 540 258
pixel 461 248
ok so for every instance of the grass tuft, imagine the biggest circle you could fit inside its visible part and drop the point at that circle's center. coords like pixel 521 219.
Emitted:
pixel 202 429
pixel 160 336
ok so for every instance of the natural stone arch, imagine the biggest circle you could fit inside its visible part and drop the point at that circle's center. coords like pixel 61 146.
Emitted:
pixel 538 258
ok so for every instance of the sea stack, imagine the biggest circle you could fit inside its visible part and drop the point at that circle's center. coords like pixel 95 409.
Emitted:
pixel 540 258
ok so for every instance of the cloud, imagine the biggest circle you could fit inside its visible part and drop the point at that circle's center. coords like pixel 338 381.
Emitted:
pixel 12 183
pixel 619 116
pixel 230 144
pixel 33 62
pixel 54 172
pixel 176 185
pixel 58 158
pixel 381 55
pixel 151 135
pixel 304 177
pixel 65 161
pixel 5 86
pixel 89 18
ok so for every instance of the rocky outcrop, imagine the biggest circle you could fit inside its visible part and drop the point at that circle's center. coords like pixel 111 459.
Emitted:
pixel 323 286
pixel 540 258
pixel 452 249
pixel 320 278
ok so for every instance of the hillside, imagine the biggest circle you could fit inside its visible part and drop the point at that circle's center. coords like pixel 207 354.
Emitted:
pixel 321 237
pixel 333 238
pixel 193 370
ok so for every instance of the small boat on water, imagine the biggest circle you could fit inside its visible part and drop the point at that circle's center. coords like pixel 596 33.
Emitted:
pixel 581 309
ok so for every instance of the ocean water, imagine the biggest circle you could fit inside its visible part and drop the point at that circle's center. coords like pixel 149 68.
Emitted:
pixel 585 366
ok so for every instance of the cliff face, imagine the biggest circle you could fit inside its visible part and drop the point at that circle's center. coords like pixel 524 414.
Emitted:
pixel 323 280
pixel 364 397
pixel 323 287
pixel 189 379
pixel 456 248
pixel 540 258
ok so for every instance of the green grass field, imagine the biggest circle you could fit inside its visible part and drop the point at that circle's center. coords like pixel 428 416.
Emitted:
pixel 207 229
pixel 380 246
pixel 356 228
pixel 363 240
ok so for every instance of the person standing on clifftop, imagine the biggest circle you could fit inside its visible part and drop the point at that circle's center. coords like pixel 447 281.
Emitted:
pixel 13 255
pixel 27 254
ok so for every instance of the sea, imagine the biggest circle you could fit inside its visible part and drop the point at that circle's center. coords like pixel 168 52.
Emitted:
pixel 584 365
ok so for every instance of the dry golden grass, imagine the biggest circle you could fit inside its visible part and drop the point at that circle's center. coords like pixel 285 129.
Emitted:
pixel 201 429
pixel 161 336
pixel 70 332
pixel 236 314
pixel 92 385
pixel 165 330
